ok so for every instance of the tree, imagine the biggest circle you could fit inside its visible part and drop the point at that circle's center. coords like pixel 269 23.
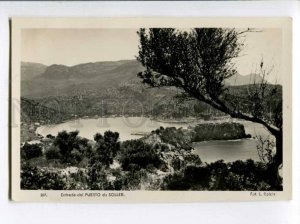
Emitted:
pixel 198 62
pixel 71 147
pixel 107 147
pixel 136 154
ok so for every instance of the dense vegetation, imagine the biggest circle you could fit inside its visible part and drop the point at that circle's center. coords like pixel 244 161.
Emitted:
pixel 31 151
pixel 67 161
pixel 132 101
pixel 223 131
pixel 137 155
pixel 235 176
pixel 42 111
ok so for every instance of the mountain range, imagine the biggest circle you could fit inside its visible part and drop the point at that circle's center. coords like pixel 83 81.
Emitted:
pixel 39 80
pixel 29 70
pixel 107 89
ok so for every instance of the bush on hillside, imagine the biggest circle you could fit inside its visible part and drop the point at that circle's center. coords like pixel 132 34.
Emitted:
pixel 30 151
pixel 135 154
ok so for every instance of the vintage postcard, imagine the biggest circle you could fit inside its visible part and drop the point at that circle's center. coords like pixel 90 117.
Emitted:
pixel 151 109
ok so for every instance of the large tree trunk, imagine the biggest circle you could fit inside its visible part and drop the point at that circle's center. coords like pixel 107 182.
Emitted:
pixel 277 162
pixel 279 154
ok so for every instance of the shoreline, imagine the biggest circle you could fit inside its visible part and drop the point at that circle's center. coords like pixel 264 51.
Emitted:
pixel 250 128
pixel 170 121
pixel 136 133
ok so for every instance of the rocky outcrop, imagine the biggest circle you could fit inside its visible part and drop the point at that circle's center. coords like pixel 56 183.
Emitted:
pixel 218 131
pixel 182 138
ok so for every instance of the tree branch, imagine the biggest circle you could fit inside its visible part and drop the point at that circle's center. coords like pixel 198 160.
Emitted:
pixel 219 105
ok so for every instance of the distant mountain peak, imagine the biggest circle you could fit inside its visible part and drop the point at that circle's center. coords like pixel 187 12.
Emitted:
pixel 30 70
pixel 56 71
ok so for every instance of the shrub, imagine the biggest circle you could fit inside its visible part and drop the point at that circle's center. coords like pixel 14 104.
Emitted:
pixel 97 178
pixel 53 153
pixel 72 148
pixel 236 176
pixel 192 159
pixel 50 136
pixel 139 154
pixel 176 137
pixel 197 177
pixel 175 182
pixel 33 178
pixel 177 163
pixel 131 180
pixel 251 176
pixel 29 151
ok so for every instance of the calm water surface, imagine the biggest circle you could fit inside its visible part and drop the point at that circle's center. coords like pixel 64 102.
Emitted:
pixel 128 127
pixel 232 150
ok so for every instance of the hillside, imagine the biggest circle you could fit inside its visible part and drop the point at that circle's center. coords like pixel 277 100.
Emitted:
pixel 30 70
pixel 56 80
pixel 113 89
pixel 33 113
pixel 64 80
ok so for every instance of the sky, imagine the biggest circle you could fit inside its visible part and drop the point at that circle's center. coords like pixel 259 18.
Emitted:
pixel 75 46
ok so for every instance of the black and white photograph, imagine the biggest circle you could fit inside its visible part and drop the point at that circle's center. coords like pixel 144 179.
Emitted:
pixel 194 108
